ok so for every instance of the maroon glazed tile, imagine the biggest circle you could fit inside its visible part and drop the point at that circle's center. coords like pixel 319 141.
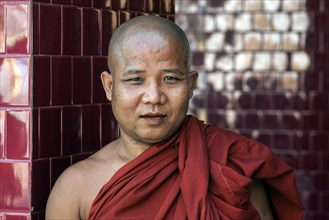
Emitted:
pixel 134 5
pixel 313 5
pixel 90 128
pixel 245 101
pixel 290 120
pixel 212 102
pixel 14 81
pixel 299 101
pixel 99 65
pixel 263 101
pixel 325 81
pixel 109 125
pixel 125 16
pixel 301 141
pixel 71 30
pixel 20 216
pixel 82 80
pixel 35 133
pixel 198 59
pixel 216 119
pixel 17 25
pixel 320 141
pixel 41 81
pixel 61 80
pixel 44 1
pixel 252 120
pixel 57 167
pixel 310 161
pixel 103 3
pixel 312 42
pixel 50 132
pixel 153 6
pixel 18 134
pixel 281 101
pixel 270 121
pixel 109 24
pixel 40 183
pixel 91 31
pixel 50 29
pixel 35 30
pixel 324 121
pixel 319 101
pixel 310 121
pixel 281 141
pixel 2 133
pixel 320 61
pixel 2 29
pixel 85 3
pixel 71 135
pixel 167 6
pixel 78 157
pixel 15 187
pixel 119 5
pixel 265 138
pixel 62 2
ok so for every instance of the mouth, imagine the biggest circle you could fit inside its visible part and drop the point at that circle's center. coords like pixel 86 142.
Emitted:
pixel 153 118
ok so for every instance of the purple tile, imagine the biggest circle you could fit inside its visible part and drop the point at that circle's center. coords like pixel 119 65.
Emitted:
pixel 82 80
pixel 312 42
pixel 324 122
pixel 15 191
pixel 310 161
pixel 265 138
pixel 14 81
pixel 245 101
pixel 50 132
pixel 71 30
pixel 2 133
pixel 71 135
pixel 17 25
pixel 216 119
pixel 90 128
pixel 313 5
pixel 2 29
pixel 18 135
pixel 109 24
pixel 281 101
pixel 44 1
pixel 99 65
pixel 301 141
pixel 311 82
pixel 41 81
pixel 281 141
pixel 78 157
pixel 91 31
pixel 299 101
pixel 61 80
pixel 319 101
pixel 321 181
pixel 50 29
pixel 41 183
pixel 35 30
pixel 57 167
pixel 108 125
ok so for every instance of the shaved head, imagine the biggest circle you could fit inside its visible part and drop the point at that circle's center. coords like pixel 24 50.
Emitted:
pixel 148 24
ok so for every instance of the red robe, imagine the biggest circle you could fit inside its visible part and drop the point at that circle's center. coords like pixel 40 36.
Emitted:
pixel 202 172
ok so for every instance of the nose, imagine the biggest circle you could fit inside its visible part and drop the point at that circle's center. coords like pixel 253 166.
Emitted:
pixel 153 94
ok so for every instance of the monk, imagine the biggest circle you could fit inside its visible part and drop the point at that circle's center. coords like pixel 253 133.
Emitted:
pixel 167 164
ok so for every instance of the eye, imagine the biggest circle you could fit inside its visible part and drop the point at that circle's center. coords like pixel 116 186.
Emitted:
pixel 135 80
pixel 170 78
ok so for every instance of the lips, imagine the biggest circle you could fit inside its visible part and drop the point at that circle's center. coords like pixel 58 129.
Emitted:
pixel 153 118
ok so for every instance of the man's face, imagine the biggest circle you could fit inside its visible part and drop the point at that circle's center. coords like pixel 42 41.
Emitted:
pixel 150 87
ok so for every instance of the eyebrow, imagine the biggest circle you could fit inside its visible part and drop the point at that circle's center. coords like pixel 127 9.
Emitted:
pixel 173 70
pixel 133 71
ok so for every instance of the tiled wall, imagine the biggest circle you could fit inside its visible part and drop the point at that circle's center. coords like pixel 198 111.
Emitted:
pixel 53 111
pixel 264 73
pixel 15 110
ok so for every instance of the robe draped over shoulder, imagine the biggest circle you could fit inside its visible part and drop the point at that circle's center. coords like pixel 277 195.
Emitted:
pixel 202 172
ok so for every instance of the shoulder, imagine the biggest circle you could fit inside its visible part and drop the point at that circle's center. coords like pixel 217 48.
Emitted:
pixel 64 200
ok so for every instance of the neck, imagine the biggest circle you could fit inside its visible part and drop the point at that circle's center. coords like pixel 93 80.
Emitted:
pixel 128 149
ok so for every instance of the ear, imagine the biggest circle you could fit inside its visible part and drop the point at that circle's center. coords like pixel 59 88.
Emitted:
pixel 193 78
pixel 107 82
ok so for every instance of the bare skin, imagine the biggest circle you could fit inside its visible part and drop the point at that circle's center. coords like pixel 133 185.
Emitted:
pixel 152 82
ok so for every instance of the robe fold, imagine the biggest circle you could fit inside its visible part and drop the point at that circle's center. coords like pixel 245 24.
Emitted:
pixel 202 172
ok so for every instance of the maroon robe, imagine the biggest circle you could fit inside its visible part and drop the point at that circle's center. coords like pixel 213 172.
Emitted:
pixel 202 172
